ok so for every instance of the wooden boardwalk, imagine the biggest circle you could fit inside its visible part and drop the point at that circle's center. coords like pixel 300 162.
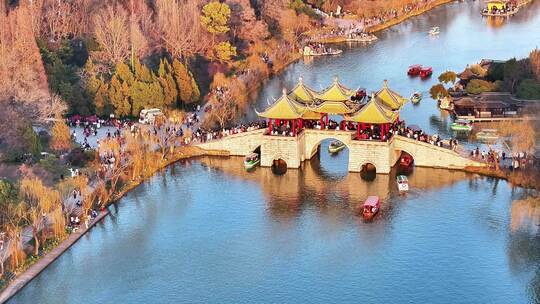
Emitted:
pixel 24 278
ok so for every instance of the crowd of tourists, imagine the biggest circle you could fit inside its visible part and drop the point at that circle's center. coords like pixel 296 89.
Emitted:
pixel 395 13
pixel 502 160
pixel 508 8
pixel 318 49
pixel 202 135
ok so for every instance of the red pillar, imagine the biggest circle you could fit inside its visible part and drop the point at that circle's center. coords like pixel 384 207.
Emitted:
pixel 357 129
pixel 270 125
pixel 293 127
pixel 322 123
pixel 327 119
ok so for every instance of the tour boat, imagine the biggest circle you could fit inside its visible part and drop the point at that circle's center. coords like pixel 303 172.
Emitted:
pixel 425 72
pixel 462 125
pixel 416 97
pixel 403 183
pixel 371 207
pixel 251 161
pixel 487 135
pixel 414 70
pixel 435 31
pixel 336 146
pixel 406 161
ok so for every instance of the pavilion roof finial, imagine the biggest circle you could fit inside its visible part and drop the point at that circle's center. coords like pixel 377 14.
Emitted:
pixel 284 91
pixel 300 79
pixel 385 83
pixel 336 79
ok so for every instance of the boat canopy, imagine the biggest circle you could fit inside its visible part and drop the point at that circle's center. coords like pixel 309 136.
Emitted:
pixel 402 178
pixel 252 155
pixel 372 201
pixel 462 121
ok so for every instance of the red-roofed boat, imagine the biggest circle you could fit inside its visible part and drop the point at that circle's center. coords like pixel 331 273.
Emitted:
pixel 371 207
pixel 426 72
pixel 406 161
pixel 414 70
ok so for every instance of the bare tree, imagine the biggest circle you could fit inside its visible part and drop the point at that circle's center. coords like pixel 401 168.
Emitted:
pixel 62 19
pixel 22 75
pixel 112 34
pixel 181 31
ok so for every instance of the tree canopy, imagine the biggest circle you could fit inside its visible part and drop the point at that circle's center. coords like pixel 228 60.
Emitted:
pixel 215 16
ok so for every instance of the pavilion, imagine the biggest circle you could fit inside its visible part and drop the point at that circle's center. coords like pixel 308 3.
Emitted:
pixel 284 111
pixel 372 114
pixel 304 103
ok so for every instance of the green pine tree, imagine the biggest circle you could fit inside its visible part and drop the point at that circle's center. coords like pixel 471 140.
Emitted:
pixel 186 84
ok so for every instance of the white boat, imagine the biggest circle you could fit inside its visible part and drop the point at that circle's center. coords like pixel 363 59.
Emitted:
pixel 435 31
pixel 336 146
pixel 251 161
pixel 403 183
pixel 461 125
pixel 416 97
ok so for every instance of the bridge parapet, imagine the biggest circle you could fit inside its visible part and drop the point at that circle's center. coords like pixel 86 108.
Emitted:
pixel 294 150
pixel 240 144
pixel 428 155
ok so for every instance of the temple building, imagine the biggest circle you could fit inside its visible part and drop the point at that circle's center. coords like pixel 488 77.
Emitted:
pixel 283 115
pixel 373 120
pixel 304 107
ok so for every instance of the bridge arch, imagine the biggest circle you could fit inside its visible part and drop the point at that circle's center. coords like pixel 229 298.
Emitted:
pixel 312 148
pixel 279 164
pixel 368 170
pixel 398 152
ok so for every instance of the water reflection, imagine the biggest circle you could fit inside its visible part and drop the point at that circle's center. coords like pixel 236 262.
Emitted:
pixel 316 181
pixel 207 225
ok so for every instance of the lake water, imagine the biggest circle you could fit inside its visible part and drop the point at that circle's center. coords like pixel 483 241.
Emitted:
pixel 205 231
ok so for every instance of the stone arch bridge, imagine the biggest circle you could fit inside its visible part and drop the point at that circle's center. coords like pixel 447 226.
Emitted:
pixel 294 150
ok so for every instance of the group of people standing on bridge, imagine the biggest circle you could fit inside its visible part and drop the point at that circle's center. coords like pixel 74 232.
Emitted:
pixel 510 161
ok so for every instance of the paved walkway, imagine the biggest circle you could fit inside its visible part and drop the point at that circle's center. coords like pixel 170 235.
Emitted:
pixel 24 278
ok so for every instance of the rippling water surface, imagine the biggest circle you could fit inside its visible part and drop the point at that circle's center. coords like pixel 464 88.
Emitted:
pixel 205 231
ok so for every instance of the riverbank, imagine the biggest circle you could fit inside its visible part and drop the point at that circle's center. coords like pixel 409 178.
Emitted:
pixel 35 269
pixel 371 30
pixel 24 278
pixel 396 21
pixel 523 179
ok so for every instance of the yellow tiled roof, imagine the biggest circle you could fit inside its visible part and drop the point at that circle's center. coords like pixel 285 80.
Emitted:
pixel 283 108
pixel 331 107
pixel 374 113
pixel 335 92
pixel 302 93
pixel 390 98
